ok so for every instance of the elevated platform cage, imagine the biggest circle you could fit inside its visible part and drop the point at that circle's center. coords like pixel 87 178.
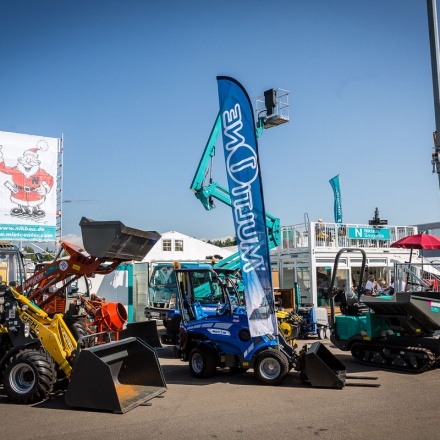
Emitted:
pixel 272 108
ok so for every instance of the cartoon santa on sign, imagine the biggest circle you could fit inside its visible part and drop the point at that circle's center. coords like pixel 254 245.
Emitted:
pixel 30 183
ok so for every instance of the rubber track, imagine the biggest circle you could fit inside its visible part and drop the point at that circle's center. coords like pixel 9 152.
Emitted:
pixel 378 347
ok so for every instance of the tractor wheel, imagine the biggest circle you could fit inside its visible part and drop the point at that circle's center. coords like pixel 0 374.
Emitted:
pixel 321 332
pixel 78 328
pixel 29 376
pixel 271 367
pixel 202 362
pixel 328 333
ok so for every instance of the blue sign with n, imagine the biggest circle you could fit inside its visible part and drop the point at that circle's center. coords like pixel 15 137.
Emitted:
pixel 246 192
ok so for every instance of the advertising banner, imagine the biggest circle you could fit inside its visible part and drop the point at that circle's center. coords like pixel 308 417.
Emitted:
pixel 369 233
pixel 338 203
pixel 28 179
pixel 246 192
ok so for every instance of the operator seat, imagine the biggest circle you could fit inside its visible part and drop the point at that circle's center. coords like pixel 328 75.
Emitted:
pixel 198 311
pixel 350 304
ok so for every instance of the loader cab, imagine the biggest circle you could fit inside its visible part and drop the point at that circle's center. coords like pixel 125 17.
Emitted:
pixel 234 284
pixel 11 266
pixel 80 286
pixel 162 290
pixel 202 293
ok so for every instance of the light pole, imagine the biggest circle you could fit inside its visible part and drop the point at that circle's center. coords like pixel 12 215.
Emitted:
pixel 433 44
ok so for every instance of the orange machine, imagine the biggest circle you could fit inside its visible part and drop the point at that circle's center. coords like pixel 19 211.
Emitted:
pixel 108 244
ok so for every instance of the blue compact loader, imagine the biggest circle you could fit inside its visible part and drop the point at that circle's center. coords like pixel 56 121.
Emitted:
pixel 222 339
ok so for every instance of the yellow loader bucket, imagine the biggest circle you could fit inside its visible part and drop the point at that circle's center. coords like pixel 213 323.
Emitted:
pixel 116 377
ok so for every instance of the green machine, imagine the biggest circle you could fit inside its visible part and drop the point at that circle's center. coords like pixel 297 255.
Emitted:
pixel 396 331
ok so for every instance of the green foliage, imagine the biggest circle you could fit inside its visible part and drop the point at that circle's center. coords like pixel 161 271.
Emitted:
pixel 30 252
pixel 48 257
pixel 224 243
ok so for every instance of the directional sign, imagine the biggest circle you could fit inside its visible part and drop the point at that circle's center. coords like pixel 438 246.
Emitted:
pixel 369 233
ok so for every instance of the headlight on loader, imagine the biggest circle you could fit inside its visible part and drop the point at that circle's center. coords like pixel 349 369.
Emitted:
pixel 27 329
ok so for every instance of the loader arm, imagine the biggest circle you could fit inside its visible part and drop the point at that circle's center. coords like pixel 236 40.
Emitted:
pixel 206 190
pixel 64 272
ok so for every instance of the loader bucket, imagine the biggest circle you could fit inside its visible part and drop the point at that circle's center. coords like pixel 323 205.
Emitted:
pixel 115 377
pixel 146 331
pixel 321 368
pixel 114 240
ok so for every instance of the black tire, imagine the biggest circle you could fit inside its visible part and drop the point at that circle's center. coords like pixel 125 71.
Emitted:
pixel 271 367
pixel 78 328
pixel 202 363
pixel 29 376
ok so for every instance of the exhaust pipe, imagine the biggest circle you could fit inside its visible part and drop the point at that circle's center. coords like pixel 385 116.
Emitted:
pixel 116 377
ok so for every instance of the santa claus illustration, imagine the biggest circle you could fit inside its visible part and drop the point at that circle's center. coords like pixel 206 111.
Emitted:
pixel 30 184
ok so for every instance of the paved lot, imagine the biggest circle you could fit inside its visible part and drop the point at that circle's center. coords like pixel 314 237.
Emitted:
pixel 237 407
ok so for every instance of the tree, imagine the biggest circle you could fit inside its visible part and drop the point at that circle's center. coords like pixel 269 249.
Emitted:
pixel 30 252
pixel 224 243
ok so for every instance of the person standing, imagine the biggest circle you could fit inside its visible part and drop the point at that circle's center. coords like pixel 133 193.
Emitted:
pixel 320 231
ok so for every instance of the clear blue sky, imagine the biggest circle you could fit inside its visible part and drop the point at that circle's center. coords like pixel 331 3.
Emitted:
pixel 131 85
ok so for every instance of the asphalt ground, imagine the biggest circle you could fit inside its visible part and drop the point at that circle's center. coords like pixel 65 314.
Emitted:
pixel 236 406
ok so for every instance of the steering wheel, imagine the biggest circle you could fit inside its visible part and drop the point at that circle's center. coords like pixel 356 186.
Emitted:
pixel 224 309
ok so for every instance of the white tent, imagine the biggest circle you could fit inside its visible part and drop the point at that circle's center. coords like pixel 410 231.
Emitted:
pixel 175 246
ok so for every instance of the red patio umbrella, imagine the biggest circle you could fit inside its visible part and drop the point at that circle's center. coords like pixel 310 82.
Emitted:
pixel 418 241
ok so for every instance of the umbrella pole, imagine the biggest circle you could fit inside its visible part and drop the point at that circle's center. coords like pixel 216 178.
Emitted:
pixel 407 273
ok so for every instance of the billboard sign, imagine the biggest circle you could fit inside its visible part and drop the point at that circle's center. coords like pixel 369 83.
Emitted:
pixel 28 180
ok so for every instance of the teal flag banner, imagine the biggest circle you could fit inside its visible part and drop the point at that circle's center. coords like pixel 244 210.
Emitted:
pixel 338 203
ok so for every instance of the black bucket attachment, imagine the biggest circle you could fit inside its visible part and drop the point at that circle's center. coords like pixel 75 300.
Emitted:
pixel 321 368
pixel 116 377
pixel 114 240
pixel 145 331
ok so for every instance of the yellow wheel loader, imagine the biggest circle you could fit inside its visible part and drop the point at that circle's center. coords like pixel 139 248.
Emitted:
pixel 39 354
pixel 108 244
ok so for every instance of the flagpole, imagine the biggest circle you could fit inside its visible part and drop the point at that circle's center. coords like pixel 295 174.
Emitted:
pixel 433 44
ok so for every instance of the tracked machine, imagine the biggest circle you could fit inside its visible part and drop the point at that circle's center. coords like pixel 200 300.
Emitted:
pixel 396 330
pixel 39 353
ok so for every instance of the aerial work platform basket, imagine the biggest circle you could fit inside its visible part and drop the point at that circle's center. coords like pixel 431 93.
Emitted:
pixel 272 109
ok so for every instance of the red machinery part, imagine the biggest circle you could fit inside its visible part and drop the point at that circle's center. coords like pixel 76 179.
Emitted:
pixel 112 315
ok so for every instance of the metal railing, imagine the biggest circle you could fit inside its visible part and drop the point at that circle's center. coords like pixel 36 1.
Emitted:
pixel 336 236
pixel 416 277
